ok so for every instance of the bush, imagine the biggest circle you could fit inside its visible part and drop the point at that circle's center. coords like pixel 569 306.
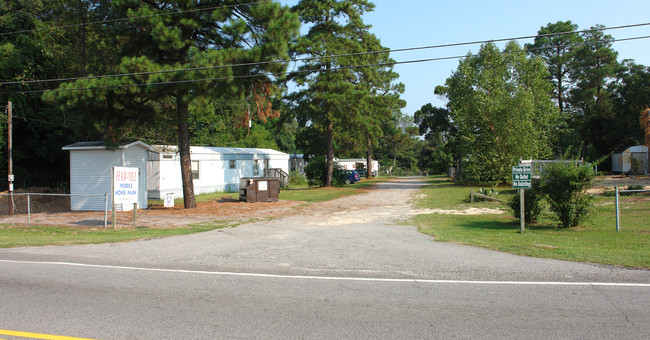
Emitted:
pixel 316 172
pixel 533 204
pixel 565 187
pixel 296 178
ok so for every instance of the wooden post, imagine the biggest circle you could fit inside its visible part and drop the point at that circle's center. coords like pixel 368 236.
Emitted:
pixel 522 211
pixel 471 196
pixel 135 213
pixel 10 177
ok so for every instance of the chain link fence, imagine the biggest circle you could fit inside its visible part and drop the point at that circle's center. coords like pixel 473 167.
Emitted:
pixel 28 207
pixel 632 206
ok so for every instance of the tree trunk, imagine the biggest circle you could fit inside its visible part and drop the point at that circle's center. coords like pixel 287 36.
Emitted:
pixel 329 140
pixel 368 157
pixel 184 150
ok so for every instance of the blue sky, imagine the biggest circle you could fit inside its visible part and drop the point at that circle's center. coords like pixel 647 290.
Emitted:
pixel 414 23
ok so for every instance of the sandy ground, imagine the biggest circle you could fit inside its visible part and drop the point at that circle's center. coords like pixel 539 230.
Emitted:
pixel 227 210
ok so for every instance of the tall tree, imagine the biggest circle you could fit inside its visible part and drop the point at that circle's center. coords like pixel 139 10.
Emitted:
pixel 379 97
pixel 595 70
pixel 556 43
pixel 502 106
pixel 439 150
pixel 327 93
pixel 203 38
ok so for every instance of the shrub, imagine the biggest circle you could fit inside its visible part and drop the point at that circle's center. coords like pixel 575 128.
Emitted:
pixel 565 187
pixel 533 204
pixel 635 187
pixel 316 172
pixel 296 178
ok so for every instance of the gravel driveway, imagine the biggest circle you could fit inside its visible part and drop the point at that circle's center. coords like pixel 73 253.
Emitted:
pixel 356 236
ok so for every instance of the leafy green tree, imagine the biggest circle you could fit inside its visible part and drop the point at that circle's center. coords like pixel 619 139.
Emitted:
pixel 591 98
pixel 439 150
pixel 631 93
pixel 557 43
pixel 327 94
pixel 183 35
pixel 502 106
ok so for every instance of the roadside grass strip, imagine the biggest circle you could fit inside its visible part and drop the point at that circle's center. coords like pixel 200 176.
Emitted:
pixel 596 241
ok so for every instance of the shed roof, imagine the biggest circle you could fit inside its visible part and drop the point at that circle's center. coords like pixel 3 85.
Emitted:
pixel 101 145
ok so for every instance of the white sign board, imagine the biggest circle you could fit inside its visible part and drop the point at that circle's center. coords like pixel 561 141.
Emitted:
pixel 262 185
pixel 125 185
pixel 169 200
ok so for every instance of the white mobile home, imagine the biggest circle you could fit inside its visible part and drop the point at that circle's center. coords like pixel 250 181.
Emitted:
pixel 213 168
pixel 91 169
pixel 358 163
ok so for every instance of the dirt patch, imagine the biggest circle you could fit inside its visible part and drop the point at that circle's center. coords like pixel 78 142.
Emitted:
pixel 224 209
pixel 621 181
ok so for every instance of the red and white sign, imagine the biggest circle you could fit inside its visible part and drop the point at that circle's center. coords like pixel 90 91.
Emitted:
pixel 125 184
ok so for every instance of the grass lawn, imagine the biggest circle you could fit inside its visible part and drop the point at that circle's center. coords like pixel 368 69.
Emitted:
pixel 596 241
pixel 24 236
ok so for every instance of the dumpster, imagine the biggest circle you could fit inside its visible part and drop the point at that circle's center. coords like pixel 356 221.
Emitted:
pixel 259 189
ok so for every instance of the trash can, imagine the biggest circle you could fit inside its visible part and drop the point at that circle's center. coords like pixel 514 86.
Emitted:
pixel 259 189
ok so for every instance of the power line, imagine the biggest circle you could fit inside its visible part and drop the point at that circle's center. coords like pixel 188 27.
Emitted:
pixel 130 18
pixel 308 71
pixel 324 57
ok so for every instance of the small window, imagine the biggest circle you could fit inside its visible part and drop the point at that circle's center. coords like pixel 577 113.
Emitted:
pixel 256 168
pixel 232 164
pixel 195 169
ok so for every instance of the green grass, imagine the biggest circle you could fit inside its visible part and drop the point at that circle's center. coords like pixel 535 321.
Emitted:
pixel 596 241
pixel 307 194
pixel 24 236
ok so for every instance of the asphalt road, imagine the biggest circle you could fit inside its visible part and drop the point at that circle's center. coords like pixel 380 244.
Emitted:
pixel 343 269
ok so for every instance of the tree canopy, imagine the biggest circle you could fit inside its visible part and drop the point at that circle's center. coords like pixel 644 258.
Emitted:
pixel 501 104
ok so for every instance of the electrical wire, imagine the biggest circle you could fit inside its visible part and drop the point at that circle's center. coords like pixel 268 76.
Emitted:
pixel 309 71
pixel 322 57
pixel 130 18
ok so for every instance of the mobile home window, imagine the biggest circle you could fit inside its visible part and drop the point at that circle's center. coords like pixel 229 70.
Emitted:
pixel 232 164
pixel 256 168
pixel 195 169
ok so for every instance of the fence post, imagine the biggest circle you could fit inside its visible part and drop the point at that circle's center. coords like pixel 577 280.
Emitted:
pixel 618 224
pixel 105 209
pixel 29 210
pixel 471 196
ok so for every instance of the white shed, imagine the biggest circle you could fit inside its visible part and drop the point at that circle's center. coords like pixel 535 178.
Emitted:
pixel 621 162
pixel 91 165
pixel 213 168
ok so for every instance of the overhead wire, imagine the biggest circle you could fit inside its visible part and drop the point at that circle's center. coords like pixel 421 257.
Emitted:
pixel 408 49
pixel 187 81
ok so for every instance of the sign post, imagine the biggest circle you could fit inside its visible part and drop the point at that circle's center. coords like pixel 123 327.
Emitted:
pixel 522 179
pixel 125 188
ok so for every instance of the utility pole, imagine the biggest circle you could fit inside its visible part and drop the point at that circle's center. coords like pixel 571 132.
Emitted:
pixel 10 172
